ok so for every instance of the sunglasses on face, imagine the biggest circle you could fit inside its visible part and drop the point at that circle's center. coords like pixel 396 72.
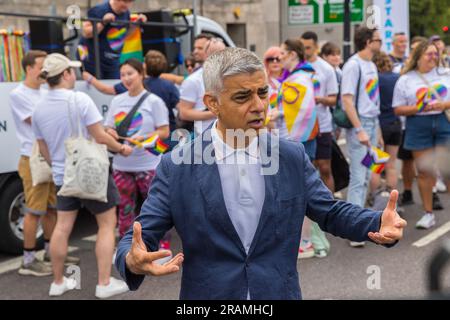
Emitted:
pixel 273 59
pixel 431 55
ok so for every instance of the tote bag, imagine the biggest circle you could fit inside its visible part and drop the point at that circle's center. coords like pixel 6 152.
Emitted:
pixel 41 172
pixel 86 168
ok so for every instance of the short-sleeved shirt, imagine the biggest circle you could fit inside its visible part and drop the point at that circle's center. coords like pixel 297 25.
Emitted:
pixel 164 89
pixel 192 90
pixel 52 123
pixel 398 63
pixel 151 115
pixel 412 90
pixel 387 85
pixel 111 41
pixel 22 101
pixel 325 84
pixel 369 93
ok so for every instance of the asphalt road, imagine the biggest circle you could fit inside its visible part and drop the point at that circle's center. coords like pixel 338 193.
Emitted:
pixel 347 273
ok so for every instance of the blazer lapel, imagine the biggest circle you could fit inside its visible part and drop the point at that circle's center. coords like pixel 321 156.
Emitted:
pixel 269 153
pixel 209 181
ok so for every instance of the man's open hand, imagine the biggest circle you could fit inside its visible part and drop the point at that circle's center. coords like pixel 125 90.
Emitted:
pixel 392 224
pixel 140 261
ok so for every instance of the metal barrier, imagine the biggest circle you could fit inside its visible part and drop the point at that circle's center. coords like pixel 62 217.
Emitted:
pixel 185 27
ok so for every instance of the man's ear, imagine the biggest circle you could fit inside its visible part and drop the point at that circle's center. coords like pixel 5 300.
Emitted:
pixel 211 102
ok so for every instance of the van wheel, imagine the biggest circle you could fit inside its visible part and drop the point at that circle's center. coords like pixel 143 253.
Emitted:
pixel 12 213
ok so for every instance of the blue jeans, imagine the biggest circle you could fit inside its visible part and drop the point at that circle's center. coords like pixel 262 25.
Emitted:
pixel 359 174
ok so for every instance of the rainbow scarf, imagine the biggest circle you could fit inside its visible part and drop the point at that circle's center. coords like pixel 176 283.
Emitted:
pixel 375 160
pixel 304 66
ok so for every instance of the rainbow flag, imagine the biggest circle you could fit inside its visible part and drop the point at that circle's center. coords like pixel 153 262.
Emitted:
pixel 132 45
pixel 375 160
pixel 152 144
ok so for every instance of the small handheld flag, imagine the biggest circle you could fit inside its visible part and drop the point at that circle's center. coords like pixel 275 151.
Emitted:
pixel 375 160
pixel 152 144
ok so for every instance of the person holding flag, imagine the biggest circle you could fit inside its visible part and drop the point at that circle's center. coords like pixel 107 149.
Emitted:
pixel 142 119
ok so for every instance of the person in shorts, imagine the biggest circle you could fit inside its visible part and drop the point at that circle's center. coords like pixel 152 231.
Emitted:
pixel 40 200
pixel 50 126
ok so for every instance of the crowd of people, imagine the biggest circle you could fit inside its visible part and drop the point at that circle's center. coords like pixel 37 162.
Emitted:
pixel 393 101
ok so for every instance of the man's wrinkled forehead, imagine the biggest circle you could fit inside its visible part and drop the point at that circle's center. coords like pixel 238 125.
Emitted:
pixel 244 82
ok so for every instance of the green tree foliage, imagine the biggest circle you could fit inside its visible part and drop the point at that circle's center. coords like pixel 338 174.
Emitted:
pixel 427 17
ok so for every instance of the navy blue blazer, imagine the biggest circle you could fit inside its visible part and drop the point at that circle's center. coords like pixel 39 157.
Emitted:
pixel 216 266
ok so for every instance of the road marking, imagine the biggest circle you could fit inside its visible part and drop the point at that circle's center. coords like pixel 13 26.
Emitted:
pixel 14 264
pixel 432 236
pixel 92 238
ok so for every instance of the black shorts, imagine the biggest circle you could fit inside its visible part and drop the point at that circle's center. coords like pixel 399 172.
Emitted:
pixel 404 154
pixel 392 133
pixel 324 145
pixel 93 206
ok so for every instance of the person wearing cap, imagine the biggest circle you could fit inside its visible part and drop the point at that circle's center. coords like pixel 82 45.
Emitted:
pixel 40 199
pixel 110 38
pixel 50 127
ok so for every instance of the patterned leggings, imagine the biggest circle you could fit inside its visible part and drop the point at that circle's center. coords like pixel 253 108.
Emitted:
pixel 130 184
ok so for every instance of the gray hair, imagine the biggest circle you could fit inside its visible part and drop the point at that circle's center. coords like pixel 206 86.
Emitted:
pixel 227 63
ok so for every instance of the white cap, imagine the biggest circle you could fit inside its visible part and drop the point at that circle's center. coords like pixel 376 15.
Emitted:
pixel 56 63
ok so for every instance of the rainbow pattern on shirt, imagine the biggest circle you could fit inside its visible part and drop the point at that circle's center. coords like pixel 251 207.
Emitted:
pixel 421 94
pixel 116 38
pixel 136 122
pixel 425 96
pixel 372 89
pixel 316 84
pixel 375 160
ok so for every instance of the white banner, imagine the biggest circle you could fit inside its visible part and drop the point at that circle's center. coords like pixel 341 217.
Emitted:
pixel 394 18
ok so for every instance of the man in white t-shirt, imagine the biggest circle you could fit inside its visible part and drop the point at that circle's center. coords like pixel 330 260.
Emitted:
pixel 191 106
pixel 363 114
pixel 53 123
pixel 40 200
pixel 325 91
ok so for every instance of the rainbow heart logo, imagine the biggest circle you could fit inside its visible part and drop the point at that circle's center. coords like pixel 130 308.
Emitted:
pixel 136 122
pixel 116 38
pixel 425 96
pixel 372 89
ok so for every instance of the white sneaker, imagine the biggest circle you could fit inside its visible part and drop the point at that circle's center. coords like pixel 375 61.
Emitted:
pixel 355 244
pixel 114 287
pixel 60 289
pixel 426 222
pixel 440 186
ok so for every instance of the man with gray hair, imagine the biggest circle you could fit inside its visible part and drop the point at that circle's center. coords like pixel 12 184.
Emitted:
pixel 240 224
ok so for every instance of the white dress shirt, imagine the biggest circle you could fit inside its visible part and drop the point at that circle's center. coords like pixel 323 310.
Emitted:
pixel 242 185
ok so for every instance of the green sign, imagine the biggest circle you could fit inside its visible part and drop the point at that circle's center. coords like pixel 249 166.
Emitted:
pixel 323 11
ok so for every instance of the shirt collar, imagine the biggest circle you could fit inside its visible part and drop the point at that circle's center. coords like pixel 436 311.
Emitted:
pixel 223 150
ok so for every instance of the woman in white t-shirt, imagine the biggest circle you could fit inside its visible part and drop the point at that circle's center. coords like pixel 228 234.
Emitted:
pixel 422 94
pixel 133 175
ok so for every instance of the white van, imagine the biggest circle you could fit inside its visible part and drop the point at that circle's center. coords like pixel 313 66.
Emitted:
pixel 11 191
